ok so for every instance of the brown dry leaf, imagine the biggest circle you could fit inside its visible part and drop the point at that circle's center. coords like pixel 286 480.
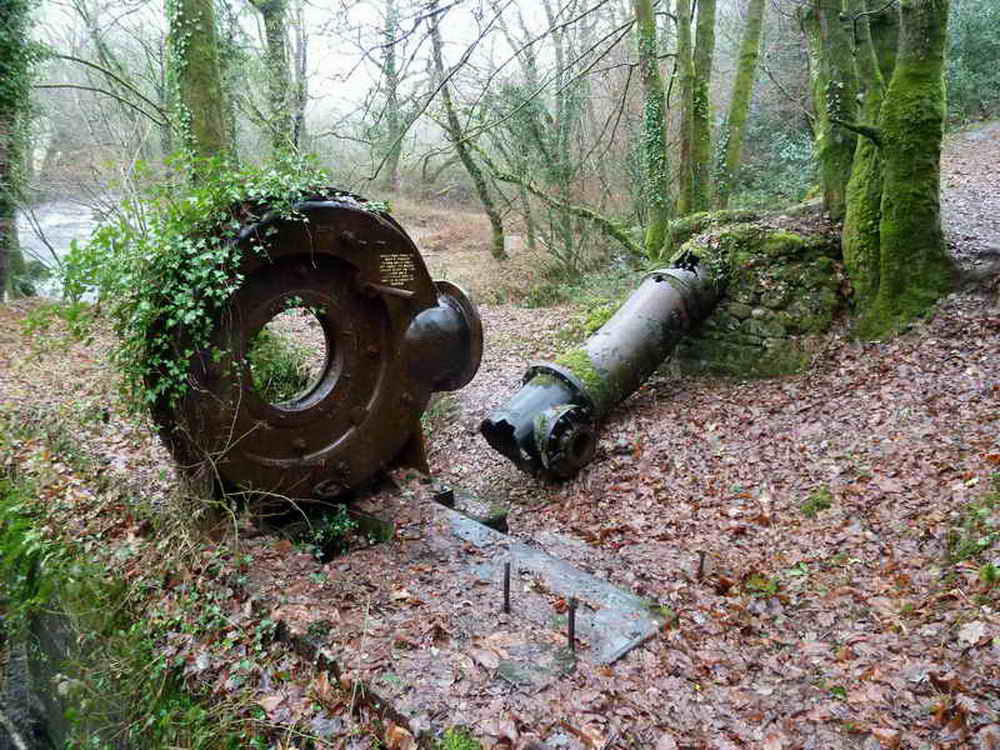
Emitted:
pixel 486 658
pixel 503 728
pixel 774 741
pixel 325 693
pixel 946 682
pixel 271 702
pixel 590 735
pixel 398 738
pixel 956 729
pixel 889 738
pixel 890 486
pixel 283 547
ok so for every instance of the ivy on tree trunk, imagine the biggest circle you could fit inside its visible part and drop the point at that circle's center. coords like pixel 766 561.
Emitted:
pixel 194 48
pixel 654 134
pixel 279 89
pixel 683 69
pixel 15 61
pixel 832 77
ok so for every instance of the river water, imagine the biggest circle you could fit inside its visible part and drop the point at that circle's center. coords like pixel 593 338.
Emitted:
pixel 46 231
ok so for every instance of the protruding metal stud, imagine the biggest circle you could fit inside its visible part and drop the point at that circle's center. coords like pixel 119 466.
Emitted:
pixel 572 624
pixel 506 588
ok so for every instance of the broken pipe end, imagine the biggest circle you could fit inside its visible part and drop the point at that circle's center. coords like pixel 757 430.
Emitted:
pixel 546 427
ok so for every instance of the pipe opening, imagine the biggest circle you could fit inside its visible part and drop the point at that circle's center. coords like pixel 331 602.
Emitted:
pixel 291 358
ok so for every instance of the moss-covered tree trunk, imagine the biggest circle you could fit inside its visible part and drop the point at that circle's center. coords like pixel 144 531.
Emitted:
pixel 457 137
pixel 735 128
pixel 832 77
pixel 702 161
pixel 860 238
pixel 15 63
pixel 683 70
pixel 194 51
pixel 279 124
pixel 654 134
pixel 914 268
pixel 883 27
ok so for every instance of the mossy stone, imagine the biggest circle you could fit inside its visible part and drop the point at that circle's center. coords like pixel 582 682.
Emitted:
pixel 738 310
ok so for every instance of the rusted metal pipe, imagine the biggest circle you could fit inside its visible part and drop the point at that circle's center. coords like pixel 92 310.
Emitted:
pixel 548 427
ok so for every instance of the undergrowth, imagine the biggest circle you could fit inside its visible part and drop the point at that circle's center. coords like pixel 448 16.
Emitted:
pixel 103 648
pixel 103 636
pixel 458 738
pixel 138 614
pixel 978 530
pixel 279 366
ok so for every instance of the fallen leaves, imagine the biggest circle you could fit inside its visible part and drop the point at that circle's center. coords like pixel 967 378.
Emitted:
pixel 851 628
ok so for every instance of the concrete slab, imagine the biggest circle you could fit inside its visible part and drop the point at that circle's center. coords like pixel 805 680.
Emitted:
pixel 613 621
pixel 418 621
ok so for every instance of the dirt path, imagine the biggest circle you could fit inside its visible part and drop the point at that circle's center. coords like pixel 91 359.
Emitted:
pixel 970 200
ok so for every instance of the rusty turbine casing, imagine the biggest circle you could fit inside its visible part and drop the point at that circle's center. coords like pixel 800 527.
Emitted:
pixel 392 337
pixel 548 426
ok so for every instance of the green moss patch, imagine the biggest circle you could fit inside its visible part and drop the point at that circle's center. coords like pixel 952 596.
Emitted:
pixel 600 390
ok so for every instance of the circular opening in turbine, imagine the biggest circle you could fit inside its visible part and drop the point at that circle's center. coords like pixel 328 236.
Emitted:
pixel 289 357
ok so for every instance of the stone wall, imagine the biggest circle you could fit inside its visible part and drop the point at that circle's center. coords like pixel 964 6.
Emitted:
pixel 780 290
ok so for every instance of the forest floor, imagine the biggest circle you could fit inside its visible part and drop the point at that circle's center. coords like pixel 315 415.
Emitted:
pixel 828 541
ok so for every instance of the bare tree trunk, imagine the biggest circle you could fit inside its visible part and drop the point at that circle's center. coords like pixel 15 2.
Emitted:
pixel 455 135
pixel 529 67
pixel 566 111
pixel 300 87
pixel 393 117
pixel 735 128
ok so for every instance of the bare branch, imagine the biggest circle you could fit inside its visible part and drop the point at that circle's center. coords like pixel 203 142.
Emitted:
pixel 606 225
pixel 117 79
pixel 96 90
pixel 809 115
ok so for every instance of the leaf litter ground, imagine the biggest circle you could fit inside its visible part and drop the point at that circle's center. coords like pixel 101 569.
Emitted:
pixel 802 529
